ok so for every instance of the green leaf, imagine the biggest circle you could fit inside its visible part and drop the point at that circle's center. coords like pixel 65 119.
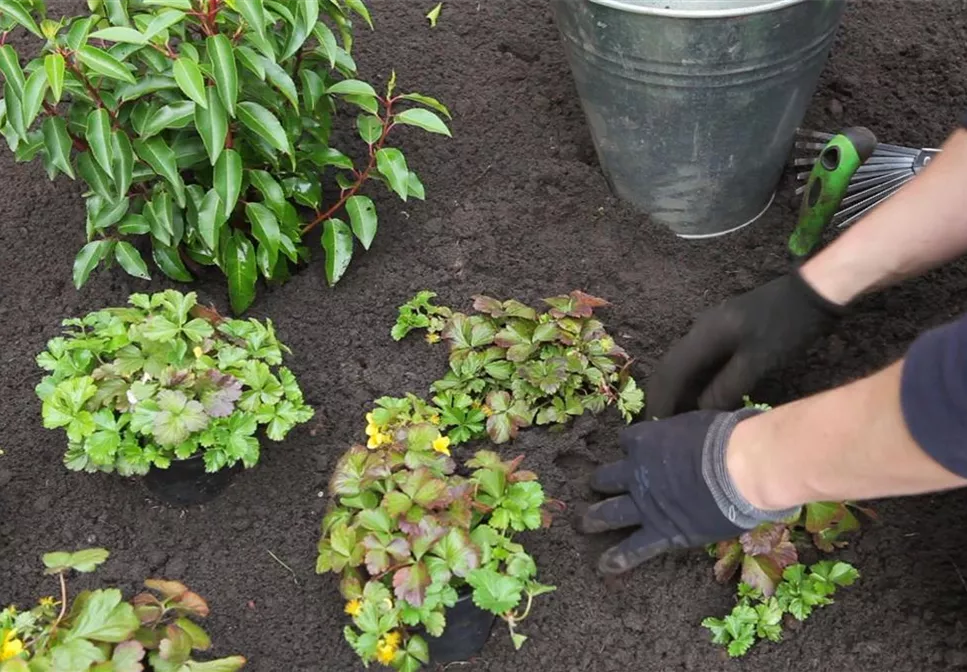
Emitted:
pixel 58 144
pixel 352 87
pixel 337 240
pixel 99 181
pixel 74 656
pixel 424 119
pixel 170 263
pixel 211 219
pixel 240 267
pixel 33 98
pixel 228 180
pixel 190 80
pixel 134 225
pixel 130 260
pixel 493 591
pixel 265 228
pixel 127 657
pixel 55 66
pixel 83 561
pixel 176 115
pixel 212 124
pixel 230 664
pixel 327 41
pixel 123 161
pixel 178 418
pixel 120 34
pixel 15 10
pixel 12 72
pixel 251 60
pixel 432 103
pixel 370 128
pixel 391 164
pixel 161 158
pixel 224 69
pixel 264 124
pixel 433 16
pixel 103 63
pixel 253 12
pixel 163 21
pixel 281 80
pixel 270 189
pixel 362 215
pixel 104 618
pixel 88 258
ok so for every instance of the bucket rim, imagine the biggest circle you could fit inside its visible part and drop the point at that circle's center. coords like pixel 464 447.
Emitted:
pixel 762 8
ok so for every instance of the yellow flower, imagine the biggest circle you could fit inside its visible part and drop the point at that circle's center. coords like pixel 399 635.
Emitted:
pixel 378 439
pixel 385 655
pixel 388 646
pixel 432 338
pixel 369 419
pixel 435 419
pixel 11 647
pixel 48 601
pixel 442 445
pixel 393 639
pixel 197 352
pixel 353 607
pixel 487 410
pixel 372 430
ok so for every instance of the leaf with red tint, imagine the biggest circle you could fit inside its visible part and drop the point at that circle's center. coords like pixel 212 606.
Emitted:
pixel 410 583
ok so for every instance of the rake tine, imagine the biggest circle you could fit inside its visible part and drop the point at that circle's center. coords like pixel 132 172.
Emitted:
pixel 875 189
pixel 805 161
pixel 879 179
pixel 897 148
pixel 879 160
pixel 882 167
pixel 819 135
pixel 865 210
pixel 810 145
pixel 863 206
pixel 890 152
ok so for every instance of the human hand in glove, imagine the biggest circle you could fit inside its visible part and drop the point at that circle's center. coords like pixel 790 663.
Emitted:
pixel 730 347
pixel 673 490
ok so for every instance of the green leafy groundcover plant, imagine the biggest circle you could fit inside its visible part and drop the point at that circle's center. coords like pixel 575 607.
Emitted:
pixel 757 616
pixel 166 379
pixel 102 632
pixel 408 533
pixel 511 367
pixel 202 125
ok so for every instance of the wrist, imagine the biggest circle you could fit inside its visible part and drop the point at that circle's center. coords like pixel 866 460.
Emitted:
pixel 752 472
pixel 831 282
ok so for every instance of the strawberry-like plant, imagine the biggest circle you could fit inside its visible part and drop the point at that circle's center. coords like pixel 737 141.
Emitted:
pixel 409 534
pixel 166 379
pixel 101 631
pixel 202 129
pixel 511 367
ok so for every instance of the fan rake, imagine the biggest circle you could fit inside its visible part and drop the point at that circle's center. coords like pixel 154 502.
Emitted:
pixel 883 174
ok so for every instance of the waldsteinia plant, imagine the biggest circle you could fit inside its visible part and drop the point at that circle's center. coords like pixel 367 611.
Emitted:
pixel 201 129
pixel 166 379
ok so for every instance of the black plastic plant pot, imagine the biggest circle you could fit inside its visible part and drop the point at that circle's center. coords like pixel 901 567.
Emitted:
pixel 186 483
pixel 468 628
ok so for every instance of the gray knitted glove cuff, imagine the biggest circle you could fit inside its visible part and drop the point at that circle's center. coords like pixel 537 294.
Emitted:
pixel 730 501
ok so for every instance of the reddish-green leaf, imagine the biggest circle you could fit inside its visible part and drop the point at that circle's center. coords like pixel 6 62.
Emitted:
pixel 410 583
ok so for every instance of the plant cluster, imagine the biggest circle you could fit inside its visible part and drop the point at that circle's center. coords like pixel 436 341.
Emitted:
pixel 760 616
pixel 410 535
pixel 204 128
pixel 101 632
pixel 164 379
pixel 511 367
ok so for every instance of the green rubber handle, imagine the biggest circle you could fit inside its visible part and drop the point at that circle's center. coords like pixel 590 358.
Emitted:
pixel 827 185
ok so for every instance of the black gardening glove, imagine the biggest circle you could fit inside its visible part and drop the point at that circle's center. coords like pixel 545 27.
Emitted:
pixel 673 487
pixel 730 347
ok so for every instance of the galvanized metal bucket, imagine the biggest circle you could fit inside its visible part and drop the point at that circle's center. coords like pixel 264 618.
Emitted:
pixel 693 104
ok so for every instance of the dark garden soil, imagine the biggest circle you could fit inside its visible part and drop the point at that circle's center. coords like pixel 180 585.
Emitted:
pixel 516 207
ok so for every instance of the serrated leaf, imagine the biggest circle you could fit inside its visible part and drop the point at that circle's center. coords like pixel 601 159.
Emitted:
pixel 58 144
pixel 266 125
pixel 190 80
pixel 87 260
pixel 83 561
pixel 103 63
pixel 120 34
pixel 130 260
pixel 337 241
pixel 424 119
pixel 228 180
pixel 493 591
pixel 391 164
pixel 55 66
pixel 104 618
pixel 362 215
pixel 224 70
pixel 241 270
pixel 410 583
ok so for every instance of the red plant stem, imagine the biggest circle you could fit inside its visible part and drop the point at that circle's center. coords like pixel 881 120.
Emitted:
pixel 3 37
pixel 91 90
pixel 63 608
pixel 362 177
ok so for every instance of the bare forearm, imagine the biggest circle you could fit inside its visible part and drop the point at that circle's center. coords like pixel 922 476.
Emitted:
pixel 923 226
pixel 849 443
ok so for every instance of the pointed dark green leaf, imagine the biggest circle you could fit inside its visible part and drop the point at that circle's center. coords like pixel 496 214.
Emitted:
pixel 123 167
pixel 77 35
pixel 190 80
pixel 99 138
pixel 362 215
pixel 170 263
pixel 358 7
pixel 14 113
pixel 228 180
pixel 391 164
pixel 130 260
pixel 327 41
pixel 253 11
pixel 117 12
pixel 120 34
pixel 211 219
pixel 103 63
pixel 90 172
pixel 58 144
pixel 12 72
pixel 176 115
pixel 337 240
pixel 163 21
pixel 134 225
pixel 281 80
pixel 370 128
pixel 352 87
pixel 424 119
pixel 15 10
pixel 160 214
pixel 33 99
pixel 157 154
pixel 248 58
pixel 427 101
pixel 270 189
pixel 240 267
pixel 88 258
pixel 212 125
pixel 265 228
pixel 264 124
pixel 224 70
pixel 144 86
pixel 55 66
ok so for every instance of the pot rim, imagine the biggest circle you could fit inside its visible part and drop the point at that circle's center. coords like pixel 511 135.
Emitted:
pixel 762 7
